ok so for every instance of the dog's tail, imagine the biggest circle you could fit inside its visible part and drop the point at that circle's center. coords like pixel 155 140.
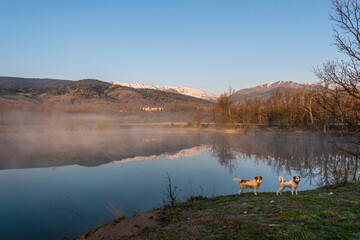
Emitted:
pixel 237 180
pixel 281 179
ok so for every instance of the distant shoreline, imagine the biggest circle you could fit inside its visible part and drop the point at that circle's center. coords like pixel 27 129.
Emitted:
pixel 111 125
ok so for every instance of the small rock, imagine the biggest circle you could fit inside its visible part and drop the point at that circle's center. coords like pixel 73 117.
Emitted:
pixel 274 225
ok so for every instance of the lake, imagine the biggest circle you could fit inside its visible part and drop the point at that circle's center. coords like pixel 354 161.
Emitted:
pixel 59 184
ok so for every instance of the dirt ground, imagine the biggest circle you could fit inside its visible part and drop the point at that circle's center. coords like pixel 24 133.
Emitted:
pixel 125 228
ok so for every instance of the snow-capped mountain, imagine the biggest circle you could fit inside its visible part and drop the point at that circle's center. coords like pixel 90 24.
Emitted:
pixel 190 92
pixel 266 90
pixel 193 92
pixel 262 91
pixel 135 85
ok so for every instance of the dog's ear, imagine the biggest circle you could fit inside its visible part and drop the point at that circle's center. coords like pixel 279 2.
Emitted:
pixel 258 177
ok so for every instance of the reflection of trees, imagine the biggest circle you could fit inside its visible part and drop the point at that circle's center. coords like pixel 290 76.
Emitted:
pixel 315 157
pixel 336 168
pixel 222 148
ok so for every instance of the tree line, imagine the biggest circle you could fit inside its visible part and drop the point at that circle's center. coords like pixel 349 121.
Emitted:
pixel 318 108
pixel 334 102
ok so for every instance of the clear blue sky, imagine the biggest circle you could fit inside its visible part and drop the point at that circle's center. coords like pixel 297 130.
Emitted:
pixel 204 44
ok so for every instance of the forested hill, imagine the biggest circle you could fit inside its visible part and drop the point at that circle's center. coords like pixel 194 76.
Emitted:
pixel 13 82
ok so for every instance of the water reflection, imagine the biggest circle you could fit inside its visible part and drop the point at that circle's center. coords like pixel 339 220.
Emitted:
pixel 53 200
pixel 315 157
pixel 223 148
pixel 91 148
pixel 182 153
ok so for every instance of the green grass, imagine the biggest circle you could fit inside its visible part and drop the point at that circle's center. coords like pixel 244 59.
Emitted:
pixel 313 214
pixel 331 212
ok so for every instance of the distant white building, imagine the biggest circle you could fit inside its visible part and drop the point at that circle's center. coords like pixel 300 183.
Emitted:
pixel 152 109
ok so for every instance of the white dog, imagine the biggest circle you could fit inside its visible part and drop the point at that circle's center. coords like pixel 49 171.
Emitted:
pixel 254 184
pixel 294 184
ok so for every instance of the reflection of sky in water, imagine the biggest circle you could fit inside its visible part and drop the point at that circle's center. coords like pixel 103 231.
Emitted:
pixel 47 203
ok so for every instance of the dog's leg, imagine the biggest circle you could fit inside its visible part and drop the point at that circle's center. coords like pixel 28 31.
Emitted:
pixel 278 191
pixel 296 191
pixel 240 191
pixel 255 191
pixel 292 191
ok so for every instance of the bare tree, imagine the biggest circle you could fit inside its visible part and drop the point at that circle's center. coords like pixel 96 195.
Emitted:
pixel 340 95
pixel 346 28
pixel 347 39
pixel 222 111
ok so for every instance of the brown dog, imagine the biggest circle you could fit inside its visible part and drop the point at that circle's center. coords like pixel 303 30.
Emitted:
pixel 294 184
pixel 254 184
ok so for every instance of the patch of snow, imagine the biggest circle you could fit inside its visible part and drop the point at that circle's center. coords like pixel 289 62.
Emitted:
pixel 135 85
pixel 193 92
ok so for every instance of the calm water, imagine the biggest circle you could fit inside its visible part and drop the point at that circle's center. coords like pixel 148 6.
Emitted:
pixel 60 184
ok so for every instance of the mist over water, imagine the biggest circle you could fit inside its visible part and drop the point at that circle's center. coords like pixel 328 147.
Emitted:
pixel 59 182
pixel 90 147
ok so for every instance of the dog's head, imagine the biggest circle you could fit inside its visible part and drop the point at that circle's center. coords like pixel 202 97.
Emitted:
pixel 296 179
pixel 258 179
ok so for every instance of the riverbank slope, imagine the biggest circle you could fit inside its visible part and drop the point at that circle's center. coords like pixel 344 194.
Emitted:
pixel 331 212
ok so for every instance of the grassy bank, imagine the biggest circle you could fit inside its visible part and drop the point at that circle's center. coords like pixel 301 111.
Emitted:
pixel 331 212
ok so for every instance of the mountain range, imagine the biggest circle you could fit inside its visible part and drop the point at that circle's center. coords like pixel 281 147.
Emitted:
pixel 265 91
pixel 91 95
pixel 262 91
pixel 193 92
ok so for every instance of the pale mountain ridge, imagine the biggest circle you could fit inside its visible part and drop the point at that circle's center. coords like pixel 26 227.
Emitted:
pixel 197 150
pixel 269 86
pixel 193 92
pixel 265 91
pixel 135 85
pixel 190 92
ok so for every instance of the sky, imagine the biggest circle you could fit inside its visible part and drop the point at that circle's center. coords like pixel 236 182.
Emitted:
pixel 206 44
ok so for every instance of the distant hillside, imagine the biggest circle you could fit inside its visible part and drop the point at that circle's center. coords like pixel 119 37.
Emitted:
pixel 129 94
pixel 265 91
pixel 14 82
pixel 96 93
